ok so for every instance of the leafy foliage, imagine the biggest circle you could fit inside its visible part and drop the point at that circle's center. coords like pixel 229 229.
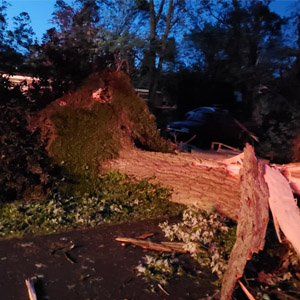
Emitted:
pixel 160 268
pixel 83 138
pixel 70 51
pixel 114 198
pixel 279 121
pixel 26 169
pixel 15 43
pixel 209 232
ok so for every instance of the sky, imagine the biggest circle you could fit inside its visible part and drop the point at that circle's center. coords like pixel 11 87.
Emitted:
pixel 40 12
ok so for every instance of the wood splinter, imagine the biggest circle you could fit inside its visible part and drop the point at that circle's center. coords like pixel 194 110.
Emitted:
pixel 160 286
pixel 30 289
pixel 245 290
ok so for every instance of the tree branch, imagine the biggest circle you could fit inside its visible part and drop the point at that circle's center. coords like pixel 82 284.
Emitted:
pixel 165 36
pixel 162 3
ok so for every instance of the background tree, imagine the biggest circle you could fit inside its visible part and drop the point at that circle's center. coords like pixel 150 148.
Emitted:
pixel 155 18
pixel 120 26
pixel 234 44
pixel 69 51
pixel 12 42
pixel 23 35
pixel 163 18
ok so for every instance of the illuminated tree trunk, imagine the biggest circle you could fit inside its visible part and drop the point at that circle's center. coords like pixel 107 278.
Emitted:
pixel 207 184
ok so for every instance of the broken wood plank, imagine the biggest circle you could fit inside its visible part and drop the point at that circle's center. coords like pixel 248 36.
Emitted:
pixel 252 222
pixel 220 145
pixel 179 246
pixel 286 214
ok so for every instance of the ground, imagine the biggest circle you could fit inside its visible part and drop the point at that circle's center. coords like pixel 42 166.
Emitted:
pixel 97 267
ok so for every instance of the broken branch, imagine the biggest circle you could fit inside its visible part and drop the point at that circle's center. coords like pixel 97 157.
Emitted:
pixel 162 247
pixel 30 289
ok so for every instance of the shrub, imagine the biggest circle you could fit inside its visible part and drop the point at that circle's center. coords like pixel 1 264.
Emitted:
pixel 208 232
pixel 115 198
pixel 26 169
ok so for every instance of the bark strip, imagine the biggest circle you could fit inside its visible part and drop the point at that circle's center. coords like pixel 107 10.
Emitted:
pixel 252 222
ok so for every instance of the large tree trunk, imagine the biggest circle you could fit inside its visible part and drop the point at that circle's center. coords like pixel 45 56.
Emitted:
pixel 241 192
pixel 207 184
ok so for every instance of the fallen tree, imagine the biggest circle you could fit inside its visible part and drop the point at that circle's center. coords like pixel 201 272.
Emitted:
pixel 206 184
pixel 99 126
pixel 242 191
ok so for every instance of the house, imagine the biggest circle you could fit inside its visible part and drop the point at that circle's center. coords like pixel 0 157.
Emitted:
pixel 17 79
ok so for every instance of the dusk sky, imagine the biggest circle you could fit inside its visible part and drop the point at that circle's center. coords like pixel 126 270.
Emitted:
pixel 40 11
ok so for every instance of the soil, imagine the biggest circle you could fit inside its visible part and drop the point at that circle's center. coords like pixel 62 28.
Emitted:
pixel 97 267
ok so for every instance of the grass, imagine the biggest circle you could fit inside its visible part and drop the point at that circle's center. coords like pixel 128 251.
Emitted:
pixel 116 198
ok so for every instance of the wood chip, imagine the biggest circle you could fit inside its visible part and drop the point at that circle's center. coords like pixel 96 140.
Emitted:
pixel 69 258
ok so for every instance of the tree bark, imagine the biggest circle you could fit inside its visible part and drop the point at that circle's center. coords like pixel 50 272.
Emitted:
pixel 252 222
pixel 297 62
pixel 207 184
pixel 240 192
pixel 155 72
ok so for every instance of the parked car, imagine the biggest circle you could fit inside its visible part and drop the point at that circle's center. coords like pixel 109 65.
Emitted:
pixel 205 125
